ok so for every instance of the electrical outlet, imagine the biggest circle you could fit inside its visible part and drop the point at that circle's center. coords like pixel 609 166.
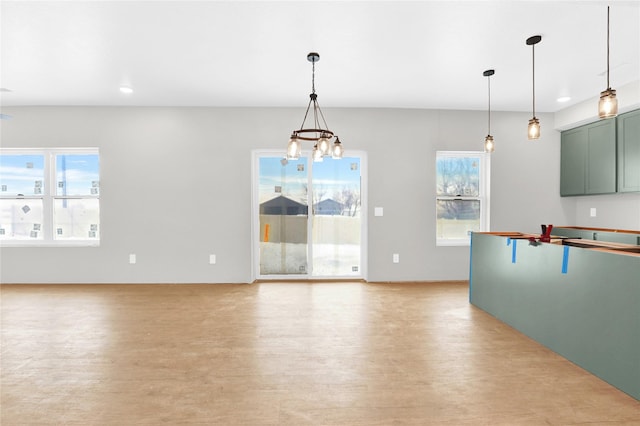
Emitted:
pixel 396 258
pixel 212 259
pixel 132 259
pixel 592 212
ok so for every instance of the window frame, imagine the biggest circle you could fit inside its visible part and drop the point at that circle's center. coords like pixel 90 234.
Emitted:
pixel 483 196
pixel 49 196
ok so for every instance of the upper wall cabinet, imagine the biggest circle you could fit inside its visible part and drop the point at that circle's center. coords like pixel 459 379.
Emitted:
pixel 588 159
pixel 573 154
pixel 629 151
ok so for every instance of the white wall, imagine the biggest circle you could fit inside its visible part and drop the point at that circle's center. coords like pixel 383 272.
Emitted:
pixel 160 165
pixel 618 211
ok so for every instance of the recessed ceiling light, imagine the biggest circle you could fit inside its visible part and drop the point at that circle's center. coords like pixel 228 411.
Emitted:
pixel 564 99
pixel 125 89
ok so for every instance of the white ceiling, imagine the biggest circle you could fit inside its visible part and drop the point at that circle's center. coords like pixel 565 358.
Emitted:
pixel 410 54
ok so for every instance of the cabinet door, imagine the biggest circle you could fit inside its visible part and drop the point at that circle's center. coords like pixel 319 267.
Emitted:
pixel 573 151
pixel 629 152
pixel 601 157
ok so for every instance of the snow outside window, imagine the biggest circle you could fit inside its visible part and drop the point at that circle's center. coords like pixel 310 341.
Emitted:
pixel 49 197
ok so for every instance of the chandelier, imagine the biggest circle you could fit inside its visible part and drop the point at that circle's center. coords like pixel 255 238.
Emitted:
pixel 319 135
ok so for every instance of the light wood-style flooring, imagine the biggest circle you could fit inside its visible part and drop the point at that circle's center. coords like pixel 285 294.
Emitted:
pixel 346 353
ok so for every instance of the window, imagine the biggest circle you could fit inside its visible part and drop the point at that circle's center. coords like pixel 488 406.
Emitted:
pixel 462 196
pixel 49 197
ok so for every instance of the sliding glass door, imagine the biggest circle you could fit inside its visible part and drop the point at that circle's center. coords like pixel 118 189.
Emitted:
pixel 283 215
pixel 307 217
pixel 336 222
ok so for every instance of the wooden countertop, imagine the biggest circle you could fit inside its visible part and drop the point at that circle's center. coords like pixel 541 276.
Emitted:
pixel 623 231
pixel 579 242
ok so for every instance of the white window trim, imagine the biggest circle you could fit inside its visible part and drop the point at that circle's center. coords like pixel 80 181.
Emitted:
pixel 484 197
pixel 49 196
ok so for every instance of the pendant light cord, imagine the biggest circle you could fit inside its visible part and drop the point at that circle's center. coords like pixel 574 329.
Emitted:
pixel 533 52
pixel 608 85
pixel 489 109
pixel 313 77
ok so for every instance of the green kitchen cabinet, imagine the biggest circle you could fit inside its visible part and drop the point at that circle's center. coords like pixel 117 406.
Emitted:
pixel 628 139
pixel 573 154
pixel 588 159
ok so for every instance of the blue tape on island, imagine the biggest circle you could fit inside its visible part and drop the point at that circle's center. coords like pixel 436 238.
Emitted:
pixel 565 260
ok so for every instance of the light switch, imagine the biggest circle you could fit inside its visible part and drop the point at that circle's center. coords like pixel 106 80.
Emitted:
pixel 378 211
pixel 592 213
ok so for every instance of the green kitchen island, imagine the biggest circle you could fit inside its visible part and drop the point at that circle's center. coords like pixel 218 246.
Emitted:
pixel 579 298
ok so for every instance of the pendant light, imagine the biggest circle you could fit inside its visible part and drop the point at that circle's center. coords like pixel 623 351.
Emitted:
pixel 608 104
pixel 489 146
pixel 319 135
pixel 534 123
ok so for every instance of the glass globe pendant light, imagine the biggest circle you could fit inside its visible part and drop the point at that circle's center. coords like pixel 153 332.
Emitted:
pixel 608 104
pixel 489 145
